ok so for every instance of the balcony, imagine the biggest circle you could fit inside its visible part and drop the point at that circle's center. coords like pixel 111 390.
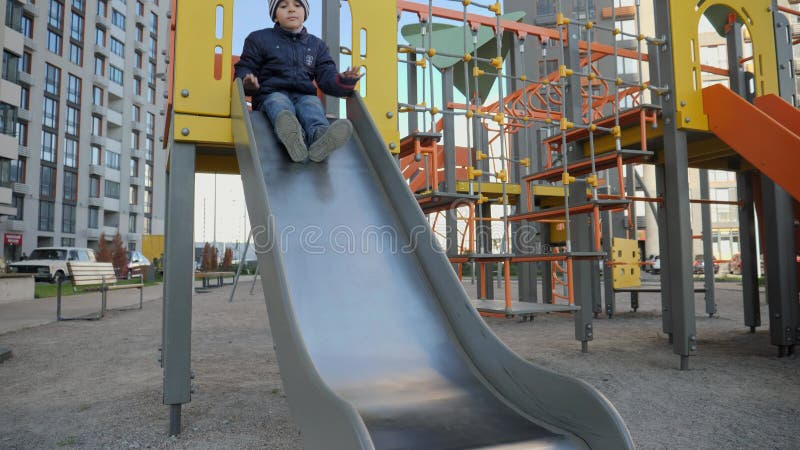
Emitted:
pixel 8 146
pixel 13 40
pixel 6 210
pixel 5 197
pixel 22 188
pixel 141 47
pixel 110 204
pixel 112 174
pixel 114 117
pixel 110 232
pixel 96 169
pixel 92 233
pixel 102 21
pixel 23 115
pixel 136 181
pixel 137 153
pixel 24 151
pixel 10 92
pixel 97 202
pixel 31 8
pixel 16 225
pixel 101 81
pixel 136 209
pixel 97 140
pixel 115 90
pixel 114 145
pixel 25 79
pixel 101 51
pixel 30 45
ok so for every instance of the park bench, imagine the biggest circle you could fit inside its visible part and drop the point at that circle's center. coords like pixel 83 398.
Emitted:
pixel 218 276
pixel 102 276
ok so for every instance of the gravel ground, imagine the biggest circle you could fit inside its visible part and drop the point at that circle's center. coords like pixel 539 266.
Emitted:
pixel 98 384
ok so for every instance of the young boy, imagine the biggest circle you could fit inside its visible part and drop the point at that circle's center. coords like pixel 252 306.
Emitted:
pixel 278 67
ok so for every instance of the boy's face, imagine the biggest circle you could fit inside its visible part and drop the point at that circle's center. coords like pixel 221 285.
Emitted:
pixel 290 14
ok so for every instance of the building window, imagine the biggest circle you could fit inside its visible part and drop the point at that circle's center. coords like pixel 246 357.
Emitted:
pixel 68 242
pixel 5 172
pixel 136 113
pixel 97 96
pixel 52 79
pixel 148 175
pixel 22 133
pixel 47 182
pixel 133 195
pixel 78 5
pixel 18 201
pixel 70 153
pixel 75 54
pixel 50 113
pixel 73 121
pixel 112 189
pixel 94 215
pixel 137 86
pixel 96 155
pixel 117 47
pixel 116 74
pixel 139 8
pixel 24 98
pixel 139 33
pixel 49 149
pixel 148 202
pixel 153 23
pixel 8 119
pixel 100 36
pixel 102 8
pixel 134 139
pixel 68 218
pixel 18 170
pixel 151 123
pixel 112 160
pixel 99 65
pixel 76 28
pixel 148 225
pixel 118 19
pixel 25 25
pixel 74 89
pixel 97 125
pixel 47 213
pixel 10 66
pixel 56 17
pixel 94 186
pixel 54 42
pixel 25 62
pixel 70 186
pixel 132 223
pixel 134 167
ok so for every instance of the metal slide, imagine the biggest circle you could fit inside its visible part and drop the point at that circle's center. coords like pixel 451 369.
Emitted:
pixel 765 134
pixel 377 342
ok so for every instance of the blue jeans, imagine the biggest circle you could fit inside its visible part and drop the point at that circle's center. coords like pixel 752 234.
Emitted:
pixel 307 108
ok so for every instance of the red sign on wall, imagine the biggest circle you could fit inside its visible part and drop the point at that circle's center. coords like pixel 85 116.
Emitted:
pixel 13 239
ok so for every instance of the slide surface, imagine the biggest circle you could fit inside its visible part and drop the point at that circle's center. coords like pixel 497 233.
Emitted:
pixel 766 134
pixel 377 342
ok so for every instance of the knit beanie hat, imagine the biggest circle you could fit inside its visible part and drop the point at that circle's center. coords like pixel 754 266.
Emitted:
pixel 273 6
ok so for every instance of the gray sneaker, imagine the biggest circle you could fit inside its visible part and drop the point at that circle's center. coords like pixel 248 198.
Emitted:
pixel 291 135
pixel 334 137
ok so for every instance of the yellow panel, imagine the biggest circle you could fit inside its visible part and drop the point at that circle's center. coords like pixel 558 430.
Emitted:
pixel 153 246
pixel 558 233
pixel 548 191
pixel 378 19
pixel 685 20
pixel 196 91
pixel 631 138
pixel 489 188
pixel 203 130
pixel 625 263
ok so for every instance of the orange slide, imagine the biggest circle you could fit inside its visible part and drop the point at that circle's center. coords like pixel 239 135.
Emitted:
pixel 766 134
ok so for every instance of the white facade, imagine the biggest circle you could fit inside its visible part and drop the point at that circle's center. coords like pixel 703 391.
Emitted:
pixel 88 142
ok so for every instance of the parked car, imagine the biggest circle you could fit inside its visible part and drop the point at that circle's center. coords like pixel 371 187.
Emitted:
pixel 699 265
pixel 136 262
pixel 653 264
pixel 50 263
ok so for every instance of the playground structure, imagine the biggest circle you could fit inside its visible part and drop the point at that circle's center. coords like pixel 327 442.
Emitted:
pixel 551 148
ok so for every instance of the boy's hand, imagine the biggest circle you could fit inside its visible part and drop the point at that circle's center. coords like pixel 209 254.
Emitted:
pixel 352 73
pixel 250 82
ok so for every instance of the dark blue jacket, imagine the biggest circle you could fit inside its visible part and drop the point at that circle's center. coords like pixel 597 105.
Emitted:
pixel 285 61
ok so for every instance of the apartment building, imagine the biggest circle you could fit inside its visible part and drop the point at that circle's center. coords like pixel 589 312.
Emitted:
pixel 86 122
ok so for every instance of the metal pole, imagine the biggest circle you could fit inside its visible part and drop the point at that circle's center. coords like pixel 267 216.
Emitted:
pixel 239 269
pixel 708 250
